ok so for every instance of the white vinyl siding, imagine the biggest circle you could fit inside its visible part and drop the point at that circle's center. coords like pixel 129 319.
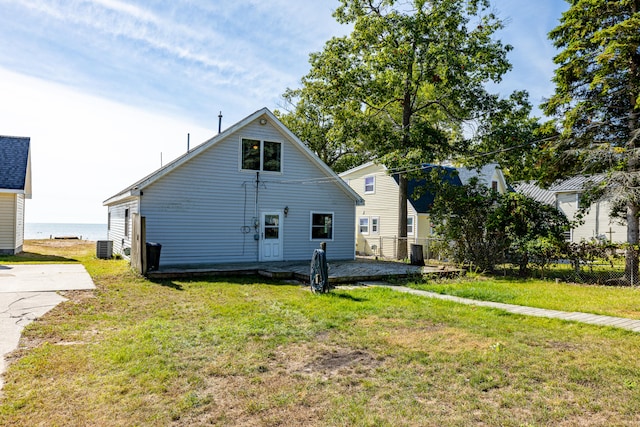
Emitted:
pixel 116 231
pixel 7 222
pixel 382 204
pixel 205 211
pixel 19 230
pixel 11 222
pixel 596 222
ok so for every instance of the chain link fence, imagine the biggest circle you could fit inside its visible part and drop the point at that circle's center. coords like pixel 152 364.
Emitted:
pixel 598 272
pixel 590 264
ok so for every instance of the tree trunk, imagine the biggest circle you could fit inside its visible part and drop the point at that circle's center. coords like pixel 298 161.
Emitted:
pixel 401 252
pixel 403 185
pixel 631 264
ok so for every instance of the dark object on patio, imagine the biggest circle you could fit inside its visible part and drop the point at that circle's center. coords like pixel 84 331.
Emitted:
pixel 319 277
pixel 153 256
pixel 417 256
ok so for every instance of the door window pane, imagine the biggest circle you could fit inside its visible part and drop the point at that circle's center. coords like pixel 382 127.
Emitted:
pixel 271 228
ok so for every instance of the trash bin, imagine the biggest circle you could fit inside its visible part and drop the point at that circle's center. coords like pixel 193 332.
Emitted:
pixel 153 256
pixel 417 256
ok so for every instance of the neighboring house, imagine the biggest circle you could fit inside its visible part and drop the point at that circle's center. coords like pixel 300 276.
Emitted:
pixel 377 221
pixel 565 196
pixel 15 187
pixel 252 193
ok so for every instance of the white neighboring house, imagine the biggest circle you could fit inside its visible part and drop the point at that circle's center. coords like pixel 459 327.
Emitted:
pixel 15 187
pixel 253 193
pixel 565 196
pixel 377 221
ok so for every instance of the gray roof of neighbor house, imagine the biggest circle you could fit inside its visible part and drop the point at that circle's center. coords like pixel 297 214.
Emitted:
pixel 575 184
pixel 532 190
pixel 14 163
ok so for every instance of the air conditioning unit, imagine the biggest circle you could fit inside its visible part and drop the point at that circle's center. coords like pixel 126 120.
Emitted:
pixel 104 249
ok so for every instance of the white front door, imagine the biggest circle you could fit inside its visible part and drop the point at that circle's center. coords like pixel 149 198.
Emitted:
pixel 271 236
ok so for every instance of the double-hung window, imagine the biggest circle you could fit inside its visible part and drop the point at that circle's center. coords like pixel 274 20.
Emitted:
pixel 321 226
pixel 261 155
pixel 375 225
pixel 364 225
pixel 409 226
pixel 369 185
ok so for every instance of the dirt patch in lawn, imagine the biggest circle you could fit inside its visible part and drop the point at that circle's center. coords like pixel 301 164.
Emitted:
pixel 291 389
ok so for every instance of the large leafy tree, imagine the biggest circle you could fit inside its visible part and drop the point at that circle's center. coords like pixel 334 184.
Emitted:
pixel 406 78
pixel 509 135
pixel 323 129
pixel 597 99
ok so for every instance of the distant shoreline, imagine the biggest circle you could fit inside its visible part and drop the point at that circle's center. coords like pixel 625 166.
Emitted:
pixel 52 230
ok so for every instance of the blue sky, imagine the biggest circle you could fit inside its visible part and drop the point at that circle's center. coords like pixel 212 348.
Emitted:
pixel 107 89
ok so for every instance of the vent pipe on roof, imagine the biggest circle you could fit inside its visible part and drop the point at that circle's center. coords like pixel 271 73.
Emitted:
pixel 188 136
pixel 220 122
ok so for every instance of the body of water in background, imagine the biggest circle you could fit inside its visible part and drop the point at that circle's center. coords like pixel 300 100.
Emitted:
pixel 36 230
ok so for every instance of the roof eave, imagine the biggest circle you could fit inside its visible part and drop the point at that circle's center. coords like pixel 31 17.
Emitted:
pixel 122 197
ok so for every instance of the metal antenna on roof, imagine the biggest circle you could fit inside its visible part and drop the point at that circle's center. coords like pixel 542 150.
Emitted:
pixel 220 122
pixel 188 136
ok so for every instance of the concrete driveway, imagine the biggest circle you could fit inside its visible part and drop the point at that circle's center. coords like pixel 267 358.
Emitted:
pixel 28 292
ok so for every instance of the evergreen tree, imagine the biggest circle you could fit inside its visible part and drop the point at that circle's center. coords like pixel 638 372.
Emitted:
pixel 597 101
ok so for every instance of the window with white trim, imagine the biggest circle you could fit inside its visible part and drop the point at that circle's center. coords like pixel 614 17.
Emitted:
pixel 369 185
pixel 375 225
pixel 321 225
pixel 409 226
pixel 364 225
pixel 260 155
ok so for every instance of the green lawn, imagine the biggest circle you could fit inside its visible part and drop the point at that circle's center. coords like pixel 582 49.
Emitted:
pixel 597 299
pixel 252 353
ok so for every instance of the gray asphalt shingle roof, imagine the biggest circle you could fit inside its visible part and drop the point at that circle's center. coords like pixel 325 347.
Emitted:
pixel 14 158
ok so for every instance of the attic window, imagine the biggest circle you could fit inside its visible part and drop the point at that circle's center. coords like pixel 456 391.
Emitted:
pixel 369 185
pixel 260 155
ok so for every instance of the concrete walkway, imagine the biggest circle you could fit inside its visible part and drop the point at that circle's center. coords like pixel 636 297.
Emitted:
pixel 592 319
pixel 28 291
